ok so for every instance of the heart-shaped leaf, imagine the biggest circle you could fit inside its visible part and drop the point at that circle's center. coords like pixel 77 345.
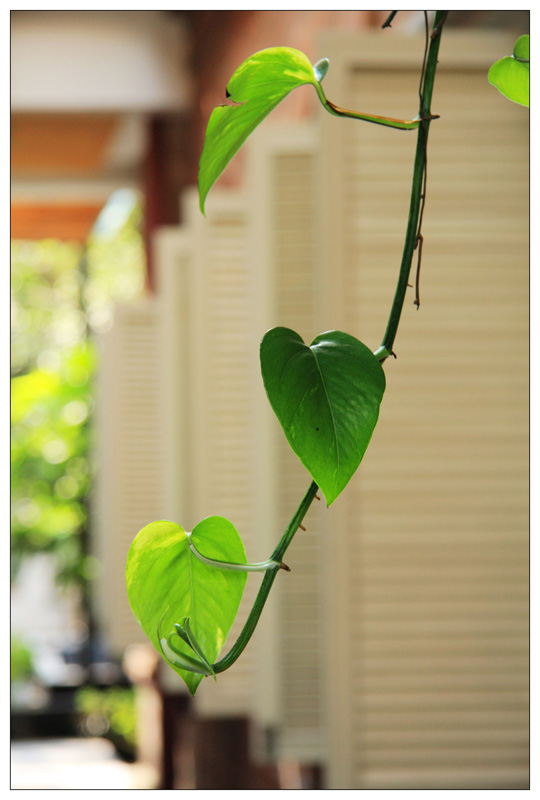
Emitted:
pixel 510 75
pixel 326 397
pixel 166 582
pixel 258 85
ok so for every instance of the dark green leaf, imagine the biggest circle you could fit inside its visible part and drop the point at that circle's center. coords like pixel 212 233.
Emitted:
pixel 326 397
pixel 166 583
pixel 258 85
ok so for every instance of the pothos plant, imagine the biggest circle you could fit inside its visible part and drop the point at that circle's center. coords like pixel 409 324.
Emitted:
pixel 185 587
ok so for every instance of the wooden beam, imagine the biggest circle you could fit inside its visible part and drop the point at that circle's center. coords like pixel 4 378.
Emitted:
pixel 60 143
pixel 71 221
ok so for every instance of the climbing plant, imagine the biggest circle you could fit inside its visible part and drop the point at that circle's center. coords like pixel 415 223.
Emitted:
pixel 185 587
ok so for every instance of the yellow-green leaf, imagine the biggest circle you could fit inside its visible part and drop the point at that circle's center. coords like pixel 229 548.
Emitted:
pixel 257 86
pixel 166 583
pixel 510 75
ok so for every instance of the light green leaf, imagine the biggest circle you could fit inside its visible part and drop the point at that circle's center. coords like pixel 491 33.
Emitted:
pixel 326 397
pixel 510 75
pixel 258 85
pixel 166 583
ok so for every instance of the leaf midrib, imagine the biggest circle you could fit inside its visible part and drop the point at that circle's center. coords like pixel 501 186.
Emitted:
pixel 311 350
pixel 292 82
pixel 329 405
pixel 191 586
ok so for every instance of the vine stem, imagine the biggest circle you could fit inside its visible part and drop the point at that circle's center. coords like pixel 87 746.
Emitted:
pixel 412 236
pixel 412 239
pixel 268 580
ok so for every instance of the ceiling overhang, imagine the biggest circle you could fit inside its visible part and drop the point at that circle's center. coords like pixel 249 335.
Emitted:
pixel 98 61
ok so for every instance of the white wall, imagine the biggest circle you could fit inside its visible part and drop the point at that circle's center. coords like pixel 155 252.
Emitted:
pixel 97 61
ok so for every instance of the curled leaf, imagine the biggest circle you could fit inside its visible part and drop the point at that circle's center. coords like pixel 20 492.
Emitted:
pixel 184 631
pixel 320 68
pixel 522 48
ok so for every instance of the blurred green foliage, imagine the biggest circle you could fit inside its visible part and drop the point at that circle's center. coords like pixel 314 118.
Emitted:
pixel 22 666
pixel 60 293
pixel 50 460
pixel 108 711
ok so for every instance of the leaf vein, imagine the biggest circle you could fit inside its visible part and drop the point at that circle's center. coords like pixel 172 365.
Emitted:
pixel 329 406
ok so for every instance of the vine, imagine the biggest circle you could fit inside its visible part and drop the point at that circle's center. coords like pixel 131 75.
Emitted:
pixel 326 395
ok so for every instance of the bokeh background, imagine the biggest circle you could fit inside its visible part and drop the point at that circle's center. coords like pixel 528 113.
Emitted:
pixel 395 654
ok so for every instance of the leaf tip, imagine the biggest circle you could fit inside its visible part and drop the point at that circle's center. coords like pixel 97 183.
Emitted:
pixel 330 498
pixel 202 201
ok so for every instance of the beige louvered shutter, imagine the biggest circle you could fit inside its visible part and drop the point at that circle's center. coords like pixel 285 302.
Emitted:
pixel 428 613
pixel 224 371
pixel 208 311
pixel 173 256
pixel 130 459
pixel 281 191
pixel 173 259
pixel 249 266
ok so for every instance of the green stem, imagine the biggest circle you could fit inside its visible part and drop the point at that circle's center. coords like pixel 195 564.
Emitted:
pixel 269 577
pixel 390 122
pixel 388 22
pixel 418 188
pixel 261 566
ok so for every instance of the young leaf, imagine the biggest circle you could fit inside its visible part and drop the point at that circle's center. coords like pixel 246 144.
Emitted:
pixel 510 75
pixel 258 85
pixel 166 583
pixel 522 48
pixel 326 397
pixel 183 629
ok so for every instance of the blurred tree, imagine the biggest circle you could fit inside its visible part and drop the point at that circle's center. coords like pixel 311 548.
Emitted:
pixel 60 293
pixel 50 460
pixel 111 713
